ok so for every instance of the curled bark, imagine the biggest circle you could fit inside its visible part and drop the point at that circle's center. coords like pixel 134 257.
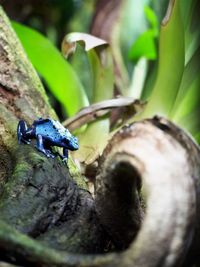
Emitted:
pixel 158 163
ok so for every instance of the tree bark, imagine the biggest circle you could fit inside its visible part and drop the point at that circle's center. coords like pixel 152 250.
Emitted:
pixel 38 196
pixel 147 189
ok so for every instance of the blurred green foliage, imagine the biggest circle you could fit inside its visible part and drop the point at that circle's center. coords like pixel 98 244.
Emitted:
pixel 170 82
pixel 145 45
pixel 56 71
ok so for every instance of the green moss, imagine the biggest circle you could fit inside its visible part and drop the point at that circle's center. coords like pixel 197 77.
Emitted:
pixel 21 168
pixel 76 174
pixel 36 159
pixel 21 242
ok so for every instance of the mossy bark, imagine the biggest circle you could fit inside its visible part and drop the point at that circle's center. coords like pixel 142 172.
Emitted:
pixel 38 196
pixel 147 189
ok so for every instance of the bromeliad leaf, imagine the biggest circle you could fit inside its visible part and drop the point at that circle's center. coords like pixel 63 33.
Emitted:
pixel 94 138
pixel 152 19
pixel 87 40
pixel 120 30
pixel 191 11
pixel 187 106
pixel 171 63
pixel 144 45
pixel 190 76
pixel 58 74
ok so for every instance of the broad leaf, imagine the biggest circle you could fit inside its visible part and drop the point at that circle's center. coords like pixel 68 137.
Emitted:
pixel 152 19
pixel 87 40
pixel 191 11
pixel 94 138
pixel 144 46
pixel 136 86
pixel 187 108
pixel 190 77
pixel 58 74
pixel 171 63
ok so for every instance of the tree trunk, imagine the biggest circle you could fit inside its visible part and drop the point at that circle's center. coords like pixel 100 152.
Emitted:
pixel 38 196
pixel 147 189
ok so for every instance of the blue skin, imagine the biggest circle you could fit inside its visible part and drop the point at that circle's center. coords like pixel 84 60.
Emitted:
pixel 47 133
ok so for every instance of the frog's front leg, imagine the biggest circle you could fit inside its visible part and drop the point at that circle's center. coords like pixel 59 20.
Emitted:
pixel 65 153
pixel 64 157
pixel 40 146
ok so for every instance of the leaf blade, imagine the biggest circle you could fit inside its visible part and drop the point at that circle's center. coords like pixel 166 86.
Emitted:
pixel 58 74
pixel 171 63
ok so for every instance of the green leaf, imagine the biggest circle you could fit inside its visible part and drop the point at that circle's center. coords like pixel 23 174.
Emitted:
pixel 58 74
pixel 153 20
pixel 171 63
pixel 187 107
pixel 191 122
pixel 123 31
pixel 150 80
pixel 191 11
pixel 190 76
pixel 144 46
pixel 142 50
pixel 197 137
pixel 88 41
pixel 94 138
pixel 160 8
pixel 100 59
pixel 102 73
pixel 138 79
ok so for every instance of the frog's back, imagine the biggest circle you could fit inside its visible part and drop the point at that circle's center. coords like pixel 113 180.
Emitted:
pixel 60 129
pixel 51 129
pixel 45 128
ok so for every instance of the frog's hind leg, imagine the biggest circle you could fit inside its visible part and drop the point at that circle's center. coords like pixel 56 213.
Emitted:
pixel 21 133
pixel 40 147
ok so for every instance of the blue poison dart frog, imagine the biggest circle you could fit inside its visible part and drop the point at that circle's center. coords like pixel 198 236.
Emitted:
pixel 47 133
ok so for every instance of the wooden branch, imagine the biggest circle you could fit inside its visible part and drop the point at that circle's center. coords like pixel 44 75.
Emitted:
pixel 96 110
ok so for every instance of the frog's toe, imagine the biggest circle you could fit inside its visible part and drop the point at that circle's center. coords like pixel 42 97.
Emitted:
pixel 43 151
pixel 47 154
pixel 26 141
pixel 22 140
pixel 65 159
pixel 50 153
